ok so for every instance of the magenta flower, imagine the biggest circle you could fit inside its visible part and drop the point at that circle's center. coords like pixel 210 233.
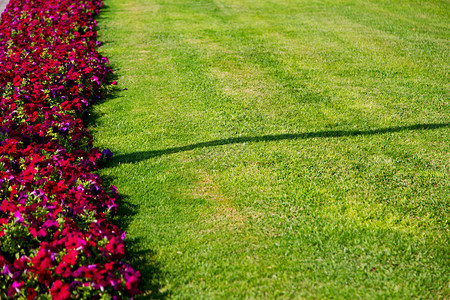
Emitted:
pixel 18 217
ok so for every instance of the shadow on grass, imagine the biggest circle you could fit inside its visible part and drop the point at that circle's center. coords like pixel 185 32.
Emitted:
pixel 138 254
pixel 144 155
pixel 146 262
pixel 89 116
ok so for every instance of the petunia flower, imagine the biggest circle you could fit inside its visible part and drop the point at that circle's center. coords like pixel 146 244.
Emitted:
pixel 60 290
pixel 107 153
pixel 50 73
pixel 18 217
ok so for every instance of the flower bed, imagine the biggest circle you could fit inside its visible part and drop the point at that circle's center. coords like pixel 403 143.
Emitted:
pixel 55 236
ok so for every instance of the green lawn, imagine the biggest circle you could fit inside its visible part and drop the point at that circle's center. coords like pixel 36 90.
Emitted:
pixel 281 148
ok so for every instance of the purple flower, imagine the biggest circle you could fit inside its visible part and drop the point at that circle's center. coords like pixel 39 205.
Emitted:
pixel 65 128
pixel 95 190
pixel 107 153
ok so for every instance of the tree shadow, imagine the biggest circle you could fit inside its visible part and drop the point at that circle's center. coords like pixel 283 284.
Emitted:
pixel 144 155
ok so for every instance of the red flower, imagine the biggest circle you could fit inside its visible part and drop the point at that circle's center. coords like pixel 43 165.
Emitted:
pixel 17 81
pixel 42 260
pixel 60 291
pixel 63 269
pixel 115 247
pixel 70 258
pixel 32 294
pixel 50 72
pixel 74 90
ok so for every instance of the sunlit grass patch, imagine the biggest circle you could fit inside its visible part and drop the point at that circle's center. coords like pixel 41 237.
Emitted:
pixel 282 149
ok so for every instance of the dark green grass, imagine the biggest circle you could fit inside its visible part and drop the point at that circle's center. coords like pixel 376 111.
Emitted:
pixel 281 149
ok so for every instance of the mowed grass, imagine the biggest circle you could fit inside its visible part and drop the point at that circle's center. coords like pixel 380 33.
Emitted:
pixel 281 149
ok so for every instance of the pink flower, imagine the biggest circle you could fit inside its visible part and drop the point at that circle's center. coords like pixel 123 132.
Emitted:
pixel 18 217
pixel 15 288
pixel 132 283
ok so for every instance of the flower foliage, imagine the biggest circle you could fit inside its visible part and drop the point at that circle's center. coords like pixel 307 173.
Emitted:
pixel 55 237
